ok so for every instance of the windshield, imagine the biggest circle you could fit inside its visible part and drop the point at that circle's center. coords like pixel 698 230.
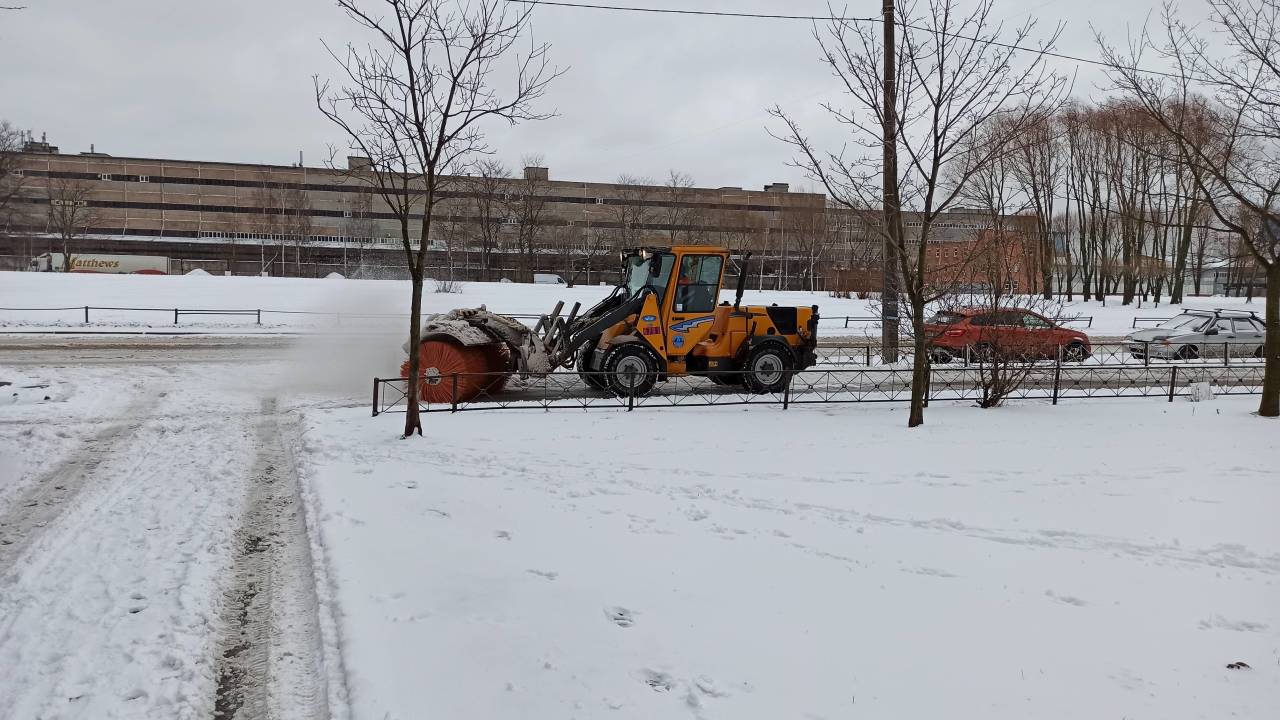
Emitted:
pixel 1185 321
pixel 946 318
pixel 640 272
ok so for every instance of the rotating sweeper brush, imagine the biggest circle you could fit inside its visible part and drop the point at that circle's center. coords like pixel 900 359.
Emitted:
pixel 650 327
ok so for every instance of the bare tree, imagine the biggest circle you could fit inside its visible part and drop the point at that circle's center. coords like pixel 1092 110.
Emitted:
pixel 71 215
pixel 955 71
pixel 526 206
pixel 414 103
pixel 295 222
pixel 632 209
pixel 679 213
pixel 488 191
pixel 1242 169
pixel 11 177
pixel 358 228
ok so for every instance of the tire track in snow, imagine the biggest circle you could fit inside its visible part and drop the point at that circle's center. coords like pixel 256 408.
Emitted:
pixel 271 661
pixel 43 501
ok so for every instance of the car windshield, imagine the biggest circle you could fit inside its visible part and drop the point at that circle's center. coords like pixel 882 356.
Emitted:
pixel 1185 321
pixel 946 318
pixel 641 271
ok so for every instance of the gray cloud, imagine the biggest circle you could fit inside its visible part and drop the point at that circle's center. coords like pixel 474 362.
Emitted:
pixel 643 93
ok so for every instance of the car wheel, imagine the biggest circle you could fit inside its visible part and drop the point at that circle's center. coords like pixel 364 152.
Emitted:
pixel 1075 352
pixel 1259 352
pixel 1187 352
pixel 941 356
pixel 768 369
pixel 630 370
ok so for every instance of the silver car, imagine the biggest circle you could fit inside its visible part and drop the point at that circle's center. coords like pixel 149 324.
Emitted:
pixel 1201 333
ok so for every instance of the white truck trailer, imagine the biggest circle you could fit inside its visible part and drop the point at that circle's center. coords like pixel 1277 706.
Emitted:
pixel 84 263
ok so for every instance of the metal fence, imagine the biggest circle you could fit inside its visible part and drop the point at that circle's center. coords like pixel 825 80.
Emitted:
pixel 1052 382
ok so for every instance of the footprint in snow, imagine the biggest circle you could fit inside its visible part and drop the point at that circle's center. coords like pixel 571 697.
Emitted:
pixel 1065 598
pixel 548 574
pixel 620 616
pixel 659 681
pixel 502 535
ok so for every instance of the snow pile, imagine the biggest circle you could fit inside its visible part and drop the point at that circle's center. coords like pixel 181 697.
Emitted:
pixel 1027 562
pixel 335 276
pixel 198 272
pixel 1201 392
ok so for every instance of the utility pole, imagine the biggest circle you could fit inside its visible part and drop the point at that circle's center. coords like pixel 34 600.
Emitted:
pixel 892 208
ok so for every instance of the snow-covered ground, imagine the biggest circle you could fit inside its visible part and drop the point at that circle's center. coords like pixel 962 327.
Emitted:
pixel 1087 560
pixel 192 525
pixel 376 304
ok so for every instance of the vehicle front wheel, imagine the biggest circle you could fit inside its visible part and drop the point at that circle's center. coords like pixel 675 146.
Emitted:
pixel 630 370
pixel 768 369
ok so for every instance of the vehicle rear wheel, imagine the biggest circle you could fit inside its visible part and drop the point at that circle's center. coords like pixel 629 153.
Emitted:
pixel 1075 352
pixel 768 369
pixel 1187 352
pixel 940 356
pixel 630 370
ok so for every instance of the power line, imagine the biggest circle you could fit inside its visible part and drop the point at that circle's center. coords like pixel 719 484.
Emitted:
pixel 831 18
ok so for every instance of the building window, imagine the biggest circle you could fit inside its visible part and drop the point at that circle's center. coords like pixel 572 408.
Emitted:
pixel 17 173
pixel 144 178
pixel 104 176
pixel 599 201
pixel 346 213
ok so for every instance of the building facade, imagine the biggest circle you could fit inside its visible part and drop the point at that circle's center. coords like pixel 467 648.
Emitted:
pixel 283 220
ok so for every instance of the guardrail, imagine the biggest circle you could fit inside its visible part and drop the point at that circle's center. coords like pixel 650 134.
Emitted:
pixel 565 391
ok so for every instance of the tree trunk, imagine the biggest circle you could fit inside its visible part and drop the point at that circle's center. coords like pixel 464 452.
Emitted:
pixel 412 418
pixel 919 363
pixel 1269 406
pixel 1180 260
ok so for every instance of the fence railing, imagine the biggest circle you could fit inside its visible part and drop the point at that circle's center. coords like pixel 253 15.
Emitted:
pixel 1052 382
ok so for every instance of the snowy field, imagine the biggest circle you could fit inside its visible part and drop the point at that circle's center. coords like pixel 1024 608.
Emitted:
pixel 367 303
pixel 1029 562
pixel 200 528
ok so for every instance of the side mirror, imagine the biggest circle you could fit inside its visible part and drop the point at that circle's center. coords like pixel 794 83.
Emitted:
pixel 1211 331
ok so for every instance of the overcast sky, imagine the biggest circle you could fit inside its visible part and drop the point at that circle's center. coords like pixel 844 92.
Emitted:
pixel 231 81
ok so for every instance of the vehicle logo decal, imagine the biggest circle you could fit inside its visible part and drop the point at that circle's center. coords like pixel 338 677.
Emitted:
pixel 691 323
pixel 650 318
pixel 678 341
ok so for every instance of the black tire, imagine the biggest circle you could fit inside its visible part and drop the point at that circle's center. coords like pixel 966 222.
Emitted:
pixel 940 356
pixel 630 370
pixel 1075 352
pixel 984 353
pixel 594 381
pixel 1259 352
pixel 768 368
pixel 1187 352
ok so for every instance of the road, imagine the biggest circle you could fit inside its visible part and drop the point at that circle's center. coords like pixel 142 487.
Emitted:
pixel 155 553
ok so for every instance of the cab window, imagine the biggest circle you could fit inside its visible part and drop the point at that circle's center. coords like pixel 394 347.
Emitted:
pixel 1033 322
pixel 698 283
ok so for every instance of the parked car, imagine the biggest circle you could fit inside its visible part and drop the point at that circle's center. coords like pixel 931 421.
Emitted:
pixel 1201 333
pixel 1002 333
pixel 547 279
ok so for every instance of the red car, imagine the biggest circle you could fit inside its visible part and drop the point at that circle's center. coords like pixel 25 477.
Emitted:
pixel 1001 333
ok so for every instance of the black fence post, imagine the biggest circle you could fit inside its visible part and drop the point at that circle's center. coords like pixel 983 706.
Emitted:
pixel 1173 381
pixel 1057 375
pixel 86 314
pixel 1146 354
pixel 259 316
pixel 175 316
pixel 453 395
pixel 868 356
pixel 786 393
pixel 375 397
pixel 1226 354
